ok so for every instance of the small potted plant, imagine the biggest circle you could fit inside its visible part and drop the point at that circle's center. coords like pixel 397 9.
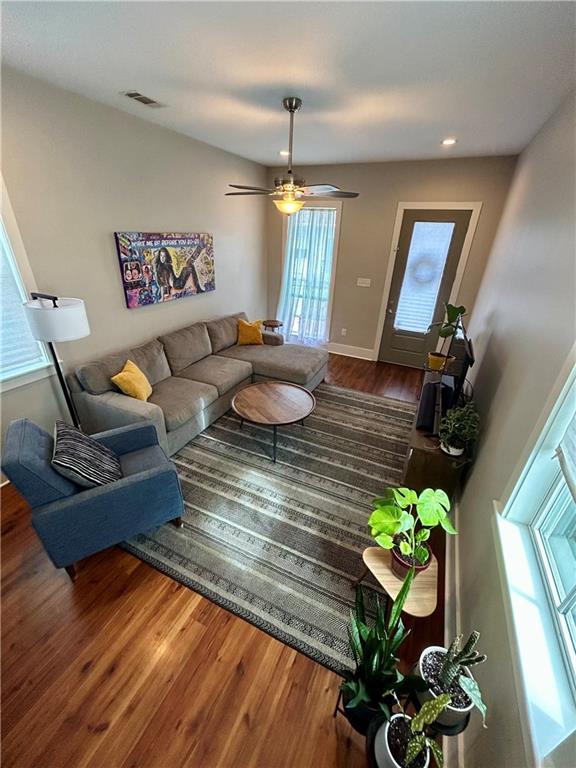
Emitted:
pixel 448 672
pixel 437 361
pixel 370 689
pixel 402 742
pixel 401 522
pixel 459 429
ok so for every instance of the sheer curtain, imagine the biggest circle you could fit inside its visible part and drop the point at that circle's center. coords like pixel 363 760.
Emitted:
pixel 305 293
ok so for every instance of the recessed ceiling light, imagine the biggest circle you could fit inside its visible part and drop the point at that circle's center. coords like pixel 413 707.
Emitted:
pixel 449 142
pixel 284 152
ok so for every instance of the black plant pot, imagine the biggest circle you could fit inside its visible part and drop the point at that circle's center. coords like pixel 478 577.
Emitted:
pixel 361 716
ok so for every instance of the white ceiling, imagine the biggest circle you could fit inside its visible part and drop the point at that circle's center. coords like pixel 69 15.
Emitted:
pixel 380 81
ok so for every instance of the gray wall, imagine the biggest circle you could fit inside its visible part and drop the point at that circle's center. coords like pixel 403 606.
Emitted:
pixel 523 327
pixel 76 171
pixel 368 221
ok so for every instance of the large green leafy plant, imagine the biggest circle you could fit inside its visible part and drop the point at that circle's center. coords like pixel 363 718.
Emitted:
pixel 449 325
pixel 404 519
pixel 460 426
pixel 375 646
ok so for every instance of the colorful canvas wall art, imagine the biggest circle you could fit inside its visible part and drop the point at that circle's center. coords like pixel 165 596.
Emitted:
pixel 158 267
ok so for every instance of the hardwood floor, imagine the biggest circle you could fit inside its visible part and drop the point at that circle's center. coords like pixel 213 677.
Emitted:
pixel 383 379
pixel 127 669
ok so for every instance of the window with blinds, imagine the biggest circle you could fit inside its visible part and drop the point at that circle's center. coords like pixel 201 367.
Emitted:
pixel 19 352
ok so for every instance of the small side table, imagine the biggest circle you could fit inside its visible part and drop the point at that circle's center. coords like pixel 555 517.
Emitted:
pixel 272 325
pixel 423 594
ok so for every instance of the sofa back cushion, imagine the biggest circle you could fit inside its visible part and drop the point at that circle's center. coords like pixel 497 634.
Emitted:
pixel 224 331
pixel 186 346
pixel 26 462
pixel 96 377
pixel 152 361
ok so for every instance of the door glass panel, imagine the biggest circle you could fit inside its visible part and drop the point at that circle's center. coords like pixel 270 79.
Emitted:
pixel 423 274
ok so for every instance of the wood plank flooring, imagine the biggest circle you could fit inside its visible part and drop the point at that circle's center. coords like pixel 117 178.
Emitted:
pixel 127 669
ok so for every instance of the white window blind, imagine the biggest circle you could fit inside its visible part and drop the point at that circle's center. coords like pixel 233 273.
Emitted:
pixel 19 352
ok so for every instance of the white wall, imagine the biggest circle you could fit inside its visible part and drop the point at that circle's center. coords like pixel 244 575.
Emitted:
pixel 523 326
pixel 76 171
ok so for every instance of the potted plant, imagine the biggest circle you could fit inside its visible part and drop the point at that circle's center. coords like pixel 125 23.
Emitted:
pixel 459 429
pixel 448 672
pixel 402 742
pixel 437 361
pixel 401 522
pixel 369 689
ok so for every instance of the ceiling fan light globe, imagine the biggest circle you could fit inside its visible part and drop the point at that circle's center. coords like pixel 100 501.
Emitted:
pixel 288 207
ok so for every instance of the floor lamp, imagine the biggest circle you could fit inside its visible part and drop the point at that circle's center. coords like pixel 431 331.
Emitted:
pixel 53 319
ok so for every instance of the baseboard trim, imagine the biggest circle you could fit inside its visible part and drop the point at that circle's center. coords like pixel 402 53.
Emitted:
pixel 349 351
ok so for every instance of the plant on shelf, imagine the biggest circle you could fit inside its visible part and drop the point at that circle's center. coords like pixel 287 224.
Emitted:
pixel 406 743
pixel 371 688
pixel 437 361
pixel 402 520
pixel 448 672
pixel 459 429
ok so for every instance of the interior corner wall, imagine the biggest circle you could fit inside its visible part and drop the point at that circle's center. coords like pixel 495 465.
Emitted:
pixel 77 171
pixel 367 225
pixel 523 326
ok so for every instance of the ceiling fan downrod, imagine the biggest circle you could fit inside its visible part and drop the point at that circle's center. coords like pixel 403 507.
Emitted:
pixel 291 104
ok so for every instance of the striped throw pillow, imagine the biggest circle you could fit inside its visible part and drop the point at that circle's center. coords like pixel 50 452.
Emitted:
pixel 82 459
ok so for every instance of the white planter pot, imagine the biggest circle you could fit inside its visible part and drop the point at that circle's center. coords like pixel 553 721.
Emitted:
pixel 451 451
pixel 382 752
pixel 451 716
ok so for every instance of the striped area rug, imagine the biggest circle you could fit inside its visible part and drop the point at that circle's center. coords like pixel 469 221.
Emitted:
pixel 280 544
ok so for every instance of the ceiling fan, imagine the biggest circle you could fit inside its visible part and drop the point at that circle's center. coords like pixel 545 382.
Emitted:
pixel 291 192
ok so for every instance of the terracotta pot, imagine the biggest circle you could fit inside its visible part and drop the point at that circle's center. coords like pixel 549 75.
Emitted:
pixel 451 717
pixel 439 362
pixel 382 752
pixel 400 568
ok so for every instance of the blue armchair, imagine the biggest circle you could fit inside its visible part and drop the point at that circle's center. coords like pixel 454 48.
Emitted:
pixel 74 522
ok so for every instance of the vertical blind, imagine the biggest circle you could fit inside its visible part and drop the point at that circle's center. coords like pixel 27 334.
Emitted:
pixel 306 278
pixel 19 352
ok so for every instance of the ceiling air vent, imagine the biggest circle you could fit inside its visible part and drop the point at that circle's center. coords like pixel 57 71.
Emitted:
pixel 148 102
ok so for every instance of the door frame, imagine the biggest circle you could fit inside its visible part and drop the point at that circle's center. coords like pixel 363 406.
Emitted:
pixel 337 204
pixel 475 207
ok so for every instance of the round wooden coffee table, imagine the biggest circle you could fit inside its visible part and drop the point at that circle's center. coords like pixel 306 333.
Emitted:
pixel 273 403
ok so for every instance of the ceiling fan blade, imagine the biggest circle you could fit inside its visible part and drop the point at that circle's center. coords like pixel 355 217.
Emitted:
pixel 252 189
pixel 339 194
pixel 317 189
pixel 264 192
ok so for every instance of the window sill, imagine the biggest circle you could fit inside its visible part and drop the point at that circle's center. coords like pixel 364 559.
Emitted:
pixel 542 680
pixel 22 379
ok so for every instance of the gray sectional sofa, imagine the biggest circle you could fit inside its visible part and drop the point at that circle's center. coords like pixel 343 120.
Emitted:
pixel 194 373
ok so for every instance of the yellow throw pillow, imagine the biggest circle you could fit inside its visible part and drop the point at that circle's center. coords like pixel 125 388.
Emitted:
pixel 250 333
pixel 133 382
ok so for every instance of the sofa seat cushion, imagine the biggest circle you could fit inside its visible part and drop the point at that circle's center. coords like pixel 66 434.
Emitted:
pixel 181 399
pixel 222 372
pixel 186 346
pixel 224 331
pixel 289 362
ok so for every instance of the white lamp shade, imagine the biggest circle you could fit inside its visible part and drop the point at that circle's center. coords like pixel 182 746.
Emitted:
pixel 66 322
